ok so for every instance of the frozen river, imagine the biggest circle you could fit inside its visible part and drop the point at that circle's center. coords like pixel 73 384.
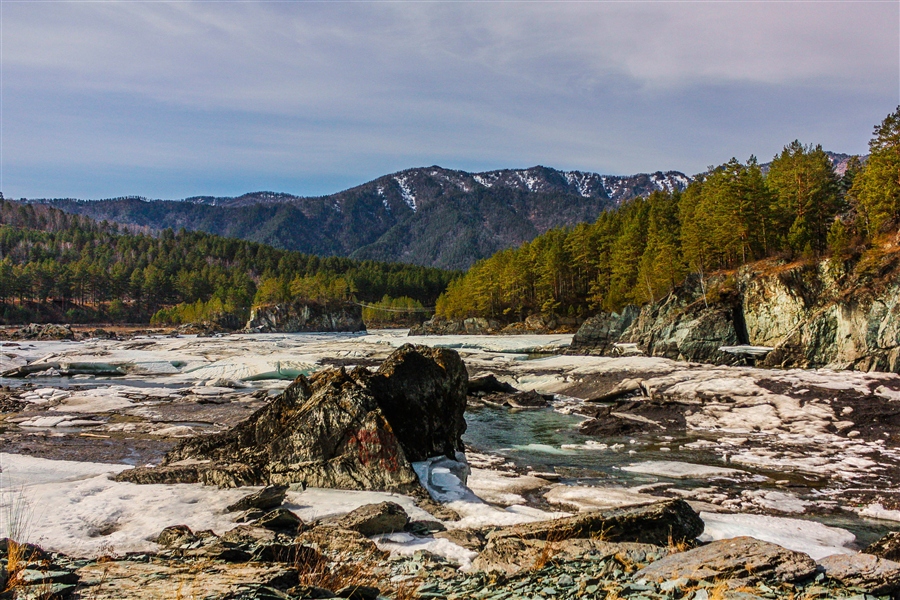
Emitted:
pixel 807 459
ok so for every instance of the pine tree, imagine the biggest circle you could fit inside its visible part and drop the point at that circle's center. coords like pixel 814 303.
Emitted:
pixel 877 186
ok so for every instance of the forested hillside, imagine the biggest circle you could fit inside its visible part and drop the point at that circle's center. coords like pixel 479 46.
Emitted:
pixel 427 216
pixel 62 266
pixel 729 216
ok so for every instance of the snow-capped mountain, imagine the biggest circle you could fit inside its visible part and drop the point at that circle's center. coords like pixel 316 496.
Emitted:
pixel 431 215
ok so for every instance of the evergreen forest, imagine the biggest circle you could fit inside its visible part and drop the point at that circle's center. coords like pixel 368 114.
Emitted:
pixel 64 267
pixel 795 207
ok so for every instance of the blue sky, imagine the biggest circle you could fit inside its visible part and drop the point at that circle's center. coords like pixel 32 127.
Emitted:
pixel 168 100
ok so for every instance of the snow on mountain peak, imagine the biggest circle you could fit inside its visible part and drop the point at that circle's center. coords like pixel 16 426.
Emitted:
pixel 406 191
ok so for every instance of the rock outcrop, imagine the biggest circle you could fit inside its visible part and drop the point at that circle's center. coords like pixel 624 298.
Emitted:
pixel 470 326
pixel 356 430
pixel 806 315
pixel 306 316
pixel 873 574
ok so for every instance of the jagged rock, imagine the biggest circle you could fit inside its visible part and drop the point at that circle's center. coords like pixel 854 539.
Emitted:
pixel 4 576
pixel 356 430
pixel 489 384
pixel 48 331
pixel 289 553
pixel 175 536
pixel 658 523
pixel 374 519
pixel 743 558
pixel 512 555
pixel 873 574
pixel 271 496
pixel 598 333
pixel 280 519
pixel 250 535
pixel 338 542
pixel 626 387
pixel 886 547
pixel 305 315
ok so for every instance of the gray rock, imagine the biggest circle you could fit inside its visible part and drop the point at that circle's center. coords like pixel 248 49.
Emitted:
pixel 737 558
pixel 658 523
pixel 280 519
pixel 598 333
pixel 358 592
pixel 887 547
pixel 271 496
pixel 356 430
pixel 175 536
pixel 514 555
pixel 306 315
pixel 489 384
pixel 442 326
pixel 374 519
pixel 873 574
pixel 4 576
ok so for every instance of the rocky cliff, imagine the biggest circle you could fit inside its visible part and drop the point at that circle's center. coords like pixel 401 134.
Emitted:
pixel 306 316
pixel 840 314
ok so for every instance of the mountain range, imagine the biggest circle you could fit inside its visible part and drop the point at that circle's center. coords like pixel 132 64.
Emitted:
pixel 428 216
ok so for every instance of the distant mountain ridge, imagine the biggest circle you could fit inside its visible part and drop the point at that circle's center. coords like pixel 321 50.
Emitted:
pixel 429 216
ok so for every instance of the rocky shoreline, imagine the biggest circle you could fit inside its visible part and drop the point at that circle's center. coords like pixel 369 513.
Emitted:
pixel 646 552
pixel 399 427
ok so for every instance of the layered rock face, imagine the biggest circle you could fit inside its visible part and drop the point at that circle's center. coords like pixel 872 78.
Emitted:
pixel 811 315
pixel 306 316
pixel 356 430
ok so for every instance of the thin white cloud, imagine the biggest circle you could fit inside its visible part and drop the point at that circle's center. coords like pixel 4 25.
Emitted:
pixel 295 89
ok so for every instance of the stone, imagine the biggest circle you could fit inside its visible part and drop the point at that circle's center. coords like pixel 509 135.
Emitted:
pixel 280 519
pixel 289 553
pixel 738 558
pixel 375 519
pixel 311 591
pixel 529 399
pixel 357 430
pixel 514 555
pixel 250 535
pixel 358 592
pixel 467 538
pixel 442 326
pixel 887 546
pixel 337 541
pixel 488 384
pixel 175 536
pixel 873 574
pixel 598 334
pixel 306 316
pixel 658 523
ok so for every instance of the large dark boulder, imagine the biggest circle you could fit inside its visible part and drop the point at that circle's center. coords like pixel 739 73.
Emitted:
pixel 356 430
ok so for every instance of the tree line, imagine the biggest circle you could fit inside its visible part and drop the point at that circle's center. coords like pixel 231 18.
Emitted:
pixel 738 212
pixel 66 265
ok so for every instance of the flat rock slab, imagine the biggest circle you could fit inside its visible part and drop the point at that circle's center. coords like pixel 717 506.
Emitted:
pixel 271 496
pixel 871 573
pixel 512 555
pixel 658 523
pixel 737 558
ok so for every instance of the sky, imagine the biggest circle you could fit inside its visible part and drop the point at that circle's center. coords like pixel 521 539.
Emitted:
pixel 176 99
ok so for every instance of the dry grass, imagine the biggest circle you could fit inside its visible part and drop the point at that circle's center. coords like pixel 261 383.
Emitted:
pixel 679 546
pixel 349 570
pixel 17 513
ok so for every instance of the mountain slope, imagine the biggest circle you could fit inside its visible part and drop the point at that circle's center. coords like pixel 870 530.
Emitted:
pixel 428 216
